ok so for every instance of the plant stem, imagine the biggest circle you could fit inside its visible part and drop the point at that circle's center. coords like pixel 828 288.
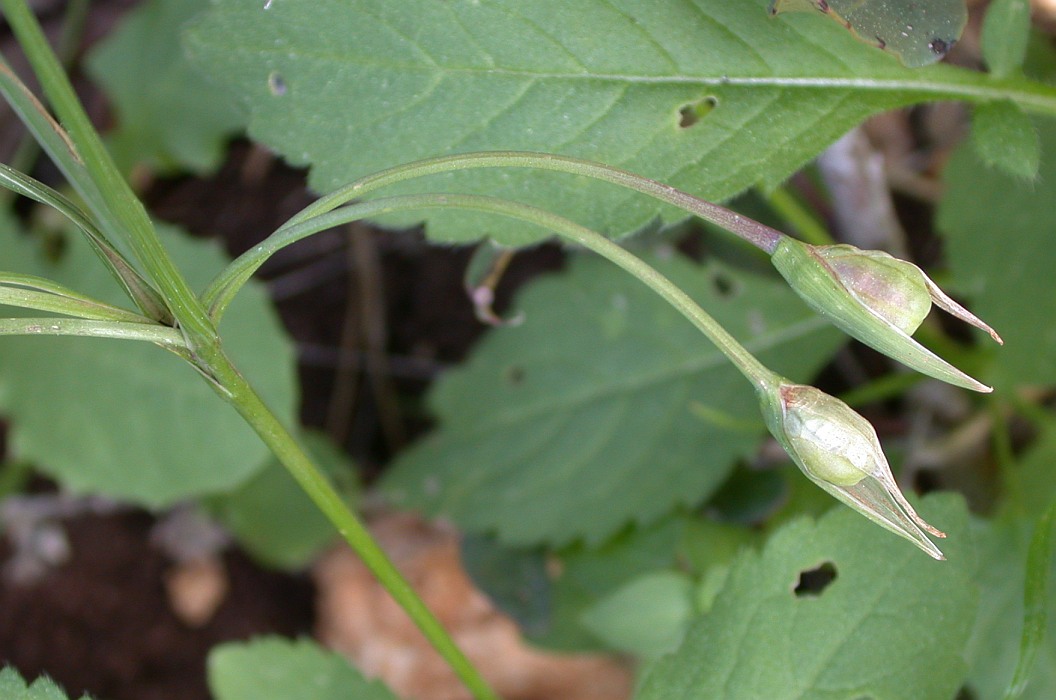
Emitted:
pixel 757 234
pixel 237 391
pixel 223 288
pixel 110 197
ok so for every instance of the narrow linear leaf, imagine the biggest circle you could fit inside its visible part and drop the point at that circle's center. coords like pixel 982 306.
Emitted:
pixel 1004 544
pixel 1035 602
pixel 710 96
pixel 130 420
pixel 588 415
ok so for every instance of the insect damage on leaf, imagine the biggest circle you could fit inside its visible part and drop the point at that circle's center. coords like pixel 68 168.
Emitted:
pixel 918 32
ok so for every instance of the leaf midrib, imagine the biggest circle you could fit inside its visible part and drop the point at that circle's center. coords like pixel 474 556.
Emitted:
pixel 959 83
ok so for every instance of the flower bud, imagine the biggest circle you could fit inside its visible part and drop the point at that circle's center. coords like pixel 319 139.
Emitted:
pixel 876 298
pixel 838 450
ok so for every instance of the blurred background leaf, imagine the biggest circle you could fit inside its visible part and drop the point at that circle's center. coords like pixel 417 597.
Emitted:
pixel 606 406
pixel 128 420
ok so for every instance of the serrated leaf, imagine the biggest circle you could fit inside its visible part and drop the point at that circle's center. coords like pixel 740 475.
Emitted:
pixel 891 625
pixel 354 87
pixel 13 687
pixel 1004 137
pixel 168 116
pixel 999 243
pixel 606 406
pixel 129 420
pixel 273 519
pixel 1006 33
pixel 272 667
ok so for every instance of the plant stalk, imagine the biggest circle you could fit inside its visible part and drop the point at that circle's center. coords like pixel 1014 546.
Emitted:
pixel 239 271
pixel 111 197
pixel 757 234
pixel 233 387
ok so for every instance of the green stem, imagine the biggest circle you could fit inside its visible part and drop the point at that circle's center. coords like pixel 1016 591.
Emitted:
pixel 218 295
pixel 112 199
pixel 243 267
pixel 755 233
pixel 236 390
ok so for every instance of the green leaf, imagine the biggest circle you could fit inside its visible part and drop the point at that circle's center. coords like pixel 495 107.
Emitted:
pixel 919 33
pixel 999 243
pixel 350 88
pixel 583 576
pixel 891 625
pixel 1035 603
pixel 12 687
pixel 1006 33
pixel 516 580
pixel 168 116
pixel 1005 138
pixel 993 651
pixel 646 617
pixel 272 667
pixel 606 406
pixel 276 521
pixel 128 420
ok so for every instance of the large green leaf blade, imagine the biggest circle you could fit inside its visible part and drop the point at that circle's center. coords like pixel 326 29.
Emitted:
pixel 606 406
pixel 891 625
pixel 994 649
pixel 999 242
pixel 130 420
pixel 168 116
pixel 354 87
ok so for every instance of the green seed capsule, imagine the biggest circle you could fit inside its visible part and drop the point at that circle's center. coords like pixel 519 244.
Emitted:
pixel 839 451
pixel 875 298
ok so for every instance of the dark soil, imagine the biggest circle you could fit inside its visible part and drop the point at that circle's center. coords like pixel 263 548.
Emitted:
pixel 101 623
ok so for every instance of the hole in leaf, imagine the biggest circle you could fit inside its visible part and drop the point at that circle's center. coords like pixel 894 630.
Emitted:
pixel 966 693
pixel 692 113
pixel 722 285
pixel 813 581
pixel 276 84
pixel 514 375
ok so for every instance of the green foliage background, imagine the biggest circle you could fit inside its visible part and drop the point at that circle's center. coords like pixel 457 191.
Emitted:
pixel 604 435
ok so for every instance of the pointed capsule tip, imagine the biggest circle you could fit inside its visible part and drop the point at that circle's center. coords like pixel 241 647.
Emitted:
pixel 943 301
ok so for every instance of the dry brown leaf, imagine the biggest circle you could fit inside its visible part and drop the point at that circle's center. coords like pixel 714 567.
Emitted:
pixel 357 618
